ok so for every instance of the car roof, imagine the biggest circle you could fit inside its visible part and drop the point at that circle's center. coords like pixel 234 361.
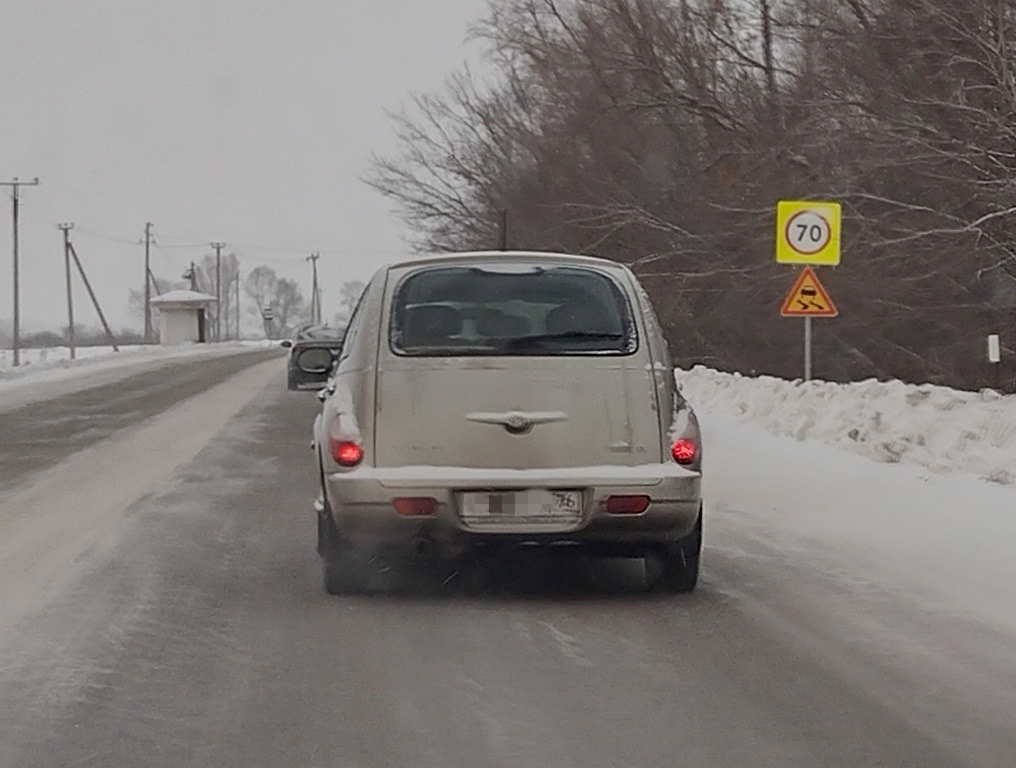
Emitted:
pixel 527 257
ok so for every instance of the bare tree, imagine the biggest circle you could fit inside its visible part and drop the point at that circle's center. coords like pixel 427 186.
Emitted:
pixel 282 295
pixel 349 294
pixel 662 133
pixel 227 273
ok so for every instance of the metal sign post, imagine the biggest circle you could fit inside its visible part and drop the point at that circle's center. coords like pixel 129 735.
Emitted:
pixel 807 348
pixel 808 298
pixel 808 232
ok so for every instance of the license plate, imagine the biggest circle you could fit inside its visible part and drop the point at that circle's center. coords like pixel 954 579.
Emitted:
pixel 526 504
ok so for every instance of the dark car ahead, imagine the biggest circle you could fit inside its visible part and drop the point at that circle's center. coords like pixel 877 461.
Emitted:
pixel 313 352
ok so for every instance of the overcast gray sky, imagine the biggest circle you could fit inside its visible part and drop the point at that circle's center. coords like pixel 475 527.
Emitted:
pixel 245 122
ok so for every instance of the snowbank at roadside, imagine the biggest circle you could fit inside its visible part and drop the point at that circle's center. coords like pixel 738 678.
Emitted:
pixel 943 429
pixel 52 358
pixel 50 372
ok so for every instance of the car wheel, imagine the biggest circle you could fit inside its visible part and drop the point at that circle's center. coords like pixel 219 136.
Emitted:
pixel 678 562
pixel 343 571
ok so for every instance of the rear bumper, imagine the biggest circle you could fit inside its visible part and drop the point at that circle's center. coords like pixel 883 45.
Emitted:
pixel 361 503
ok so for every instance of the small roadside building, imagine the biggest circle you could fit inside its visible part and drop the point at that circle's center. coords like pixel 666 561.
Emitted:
pixel 183 316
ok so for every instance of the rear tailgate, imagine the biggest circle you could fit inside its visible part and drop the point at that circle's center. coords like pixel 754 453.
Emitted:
pixel 516 412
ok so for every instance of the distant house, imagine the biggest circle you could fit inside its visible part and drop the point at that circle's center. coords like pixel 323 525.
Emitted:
pixel 183 316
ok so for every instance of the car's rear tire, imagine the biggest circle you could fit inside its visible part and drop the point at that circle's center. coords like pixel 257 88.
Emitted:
pixel 342 569
pixel 678 562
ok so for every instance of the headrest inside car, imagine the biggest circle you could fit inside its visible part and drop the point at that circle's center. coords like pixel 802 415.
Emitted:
pixel 428 324
pixel 576 317
pixel 494 323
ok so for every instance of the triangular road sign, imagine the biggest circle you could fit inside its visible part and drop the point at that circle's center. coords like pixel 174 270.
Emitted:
pixel 808 298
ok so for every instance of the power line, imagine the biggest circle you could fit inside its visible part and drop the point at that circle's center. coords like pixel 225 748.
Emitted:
pixel 193 244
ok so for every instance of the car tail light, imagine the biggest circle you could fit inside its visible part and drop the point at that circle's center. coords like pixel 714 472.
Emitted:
pixel 684 451
pixel 346 452
pixel 627 505
pixel 686 438
pixel 415 506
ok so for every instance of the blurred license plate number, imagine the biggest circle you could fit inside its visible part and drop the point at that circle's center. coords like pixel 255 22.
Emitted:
pixel 531 503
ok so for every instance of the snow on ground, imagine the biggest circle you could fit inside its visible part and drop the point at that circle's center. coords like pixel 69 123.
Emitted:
pixel 944 430
pixel 47 373
pixel 34 360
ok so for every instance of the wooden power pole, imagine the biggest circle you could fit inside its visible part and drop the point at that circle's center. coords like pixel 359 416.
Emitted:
pixel 148 284
pixel 91 295
pixel 15 185
pixel 192 275
pixel 238 301
pixel 66 228
pixel 218 289
pixel 315 300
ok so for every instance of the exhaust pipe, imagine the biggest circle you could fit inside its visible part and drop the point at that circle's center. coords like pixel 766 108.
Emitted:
pixel 423 546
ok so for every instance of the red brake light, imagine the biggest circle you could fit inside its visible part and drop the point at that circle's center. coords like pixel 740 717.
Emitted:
pixel 627 505
pixel 684 451
pixel 346 453
pixel 415 506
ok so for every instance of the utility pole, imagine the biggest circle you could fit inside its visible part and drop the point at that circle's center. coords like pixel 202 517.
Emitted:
pixel 15 185
pixel 218 289
pixel 148 284
pixel 315 300
pixel 238 301
pixel 192 275
pixel 66 228
pixel 95 301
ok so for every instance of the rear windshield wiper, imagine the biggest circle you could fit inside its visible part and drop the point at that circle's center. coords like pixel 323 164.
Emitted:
pixel 447 349
pixel 540 338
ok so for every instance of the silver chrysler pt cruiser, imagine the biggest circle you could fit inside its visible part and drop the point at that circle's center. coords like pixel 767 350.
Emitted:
pixel 492 399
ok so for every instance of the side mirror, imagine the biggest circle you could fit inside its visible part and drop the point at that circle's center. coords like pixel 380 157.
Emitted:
pixel 287 343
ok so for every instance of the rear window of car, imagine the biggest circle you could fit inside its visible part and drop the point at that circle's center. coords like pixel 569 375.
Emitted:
pixel 511 310
pixel 320 333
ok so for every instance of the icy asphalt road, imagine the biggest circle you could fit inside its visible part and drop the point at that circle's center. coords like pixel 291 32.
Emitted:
pixel 160 605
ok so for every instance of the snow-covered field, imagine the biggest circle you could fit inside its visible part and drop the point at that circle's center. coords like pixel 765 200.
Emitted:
pixel 941 429
pixel 33 359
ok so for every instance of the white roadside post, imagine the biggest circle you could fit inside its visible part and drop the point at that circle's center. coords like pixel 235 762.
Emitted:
pixel 808 233
pixel 994 357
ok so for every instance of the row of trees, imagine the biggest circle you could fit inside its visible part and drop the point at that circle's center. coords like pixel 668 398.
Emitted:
pixel 661 133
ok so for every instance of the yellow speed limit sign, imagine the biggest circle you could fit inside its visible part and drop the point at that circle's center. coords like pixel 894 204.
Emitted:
pixel 807 232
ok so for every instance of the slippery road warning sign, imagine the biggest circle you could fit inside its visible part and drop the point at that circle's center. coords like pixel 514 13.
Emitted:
pixel 808 298
pixel 807 232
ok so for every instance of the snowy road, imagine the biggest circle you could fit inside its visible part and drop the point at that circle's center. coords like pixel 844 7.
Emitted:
pixel 170 614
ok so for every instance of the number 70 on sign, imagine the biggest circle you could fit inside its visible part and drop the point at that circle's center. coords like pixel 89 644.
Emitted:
pixel 807 232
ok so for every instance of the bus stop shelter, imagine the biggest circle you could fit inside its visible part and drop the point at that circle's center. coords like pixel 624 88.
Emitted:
pixel 183 317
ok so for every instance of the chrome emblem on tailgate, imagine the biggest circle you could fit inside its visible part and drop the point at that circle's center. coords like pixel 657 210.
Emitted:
pixel 518 422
